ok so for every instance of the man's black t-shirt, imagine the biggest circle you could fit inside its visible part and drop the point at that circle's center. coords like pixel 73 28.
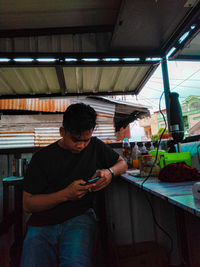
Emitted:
pixel 53 168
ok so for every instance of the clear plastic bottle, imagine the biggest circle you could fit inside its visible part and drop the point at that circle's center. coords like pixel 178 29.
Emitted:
pixel 144 149
pixel 135 156
pixel 151 147
pixel 126 150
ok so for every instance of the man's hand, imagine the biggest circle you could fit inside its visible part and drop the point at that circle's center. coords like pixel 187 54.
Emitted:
pixel 77 189
pixel 105 179
pixel 39 202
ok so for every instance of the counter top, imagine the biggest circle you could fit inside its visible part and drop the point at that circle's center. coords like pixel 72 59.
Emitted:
pixel 179 194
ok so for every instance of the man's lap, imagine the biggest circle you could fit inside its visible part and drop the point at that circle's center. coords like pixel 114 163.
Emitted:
pixel 69 244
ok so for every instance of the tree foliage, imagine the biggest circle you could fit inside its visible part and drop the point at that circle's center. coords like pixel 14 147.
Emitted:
pixel 161 130
pixel 155 137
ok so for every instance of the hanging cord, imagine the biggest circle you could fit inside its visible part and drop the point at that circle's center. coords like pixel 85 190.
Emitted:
pixel 146 195
pixel 159 226
pixel 158 142
pixel 198 153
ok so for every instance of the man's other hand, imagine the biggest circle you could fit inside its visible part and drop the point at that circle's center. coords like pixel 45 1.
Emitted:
pixel 105 179
pixel 78 189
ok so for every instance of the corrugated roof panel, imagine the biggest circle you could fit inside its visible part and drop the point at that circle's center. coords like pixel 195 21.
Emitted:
pixel 108 76
pixel 50 77
pixel 41 80
pixel 86 42
pixel 192 49
pixel 37 80
pixel 70 79
pixel 13 80
pixel 127 78
pixel 103 79
pixel 44 80
pixel 138 76
pixel 91 77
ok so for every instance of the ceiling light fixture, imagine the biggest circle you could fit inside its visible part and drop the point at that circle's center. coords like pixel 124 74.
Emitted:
pixel 91 59
pixel 23 59
pixel 153 59
pixel 170 52
pixel 70 59
pixel 46 59
pixel 183 37
pixel 111 59
pixel 5 59
pixel 131 59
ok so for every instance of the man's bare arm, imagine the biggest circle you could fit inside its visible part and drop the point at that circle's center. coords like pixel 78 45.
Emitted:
pixel 40 202
pixel 120 166
pixel 106 176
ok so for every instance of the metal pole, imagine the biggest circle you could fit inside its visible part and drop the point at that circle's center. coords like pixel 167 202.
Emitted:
pixel 166 88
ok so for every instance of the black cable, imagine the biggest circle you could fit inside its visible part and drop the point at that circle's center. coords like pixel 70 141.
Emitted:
pixel 152 210
pixel 198 154
pixel 152 166
pixel 159 226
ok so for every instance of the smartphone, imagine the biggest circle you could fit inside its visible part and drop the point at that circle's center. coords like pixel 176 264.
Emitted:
pixel 91 181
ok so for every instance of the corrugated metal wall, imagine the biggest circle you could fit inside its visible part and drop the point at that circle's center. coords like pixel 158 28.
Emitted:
pixel 35 104
pixel 54 105
pixel 16 139
pixel 44 134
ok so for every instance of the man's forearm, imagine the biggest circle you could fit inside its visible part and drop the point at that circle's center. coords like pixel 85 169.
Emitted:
pixel 40 202
pixel 120 167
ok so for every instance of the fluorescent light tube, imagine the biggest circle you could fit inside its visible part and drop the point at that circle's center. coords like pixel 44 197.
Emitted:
pixel 5 59
pixel 111 59
pixel 23 59
pixel 70 59
pixel 90 59
pixel 170 52
pixel 183 37
pixel 131 59
pixel 153 59
pixel 46 59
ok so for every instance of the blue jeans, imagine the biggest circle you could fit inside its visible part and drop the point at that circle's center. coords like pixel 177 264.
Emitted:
pixel 69 244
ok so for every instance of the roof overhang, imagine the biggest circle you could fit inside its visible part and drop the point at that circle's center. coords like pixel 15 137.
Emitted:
pixel 128 39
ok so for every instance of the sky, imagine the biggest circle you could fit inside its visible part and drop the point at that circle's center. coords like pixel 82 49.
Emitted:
pixel 184 78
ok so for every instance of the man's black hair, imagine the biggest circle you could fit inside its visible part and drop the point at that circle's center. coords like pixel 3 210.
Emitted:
pixel 79 118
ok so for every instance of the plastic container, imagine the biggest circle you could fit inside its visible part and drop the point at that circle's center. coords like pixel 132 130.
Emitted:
pixel 168 158
pixel 148 162
pixel 151 147
pixel 126 150
pixel 143 149
pixel 135 156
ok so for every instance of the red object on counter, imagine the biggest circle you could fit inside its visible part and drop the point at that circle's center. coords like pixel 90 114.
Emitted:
pixel 178 172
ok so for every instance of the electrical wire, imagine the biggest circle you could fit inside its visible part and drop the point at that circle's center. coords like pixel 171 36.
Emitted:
pixel 175 79
pixel 159 226
pixel 184 86
pixel 156 157
pixel 150 204
pixel 198 153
